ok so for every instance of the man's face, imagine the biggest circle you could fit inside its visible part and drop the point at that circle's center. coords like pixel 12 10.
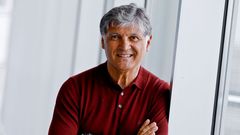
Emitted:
pixel 125 47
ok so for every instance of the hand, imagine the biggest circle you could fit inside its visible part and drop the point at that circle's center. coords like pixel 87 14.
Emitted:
pixel 148 128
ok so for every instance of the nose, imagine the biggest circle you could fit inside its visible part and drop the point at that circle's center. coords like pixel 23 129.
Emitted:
pixel 125 44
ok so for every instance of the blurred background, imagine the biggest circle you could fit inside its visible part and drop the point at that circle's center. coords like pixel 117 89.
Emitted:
pixel 44 42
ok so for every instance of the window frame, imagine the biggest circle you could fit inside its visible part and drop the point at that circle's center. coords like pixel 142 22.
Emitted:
pixel 222 90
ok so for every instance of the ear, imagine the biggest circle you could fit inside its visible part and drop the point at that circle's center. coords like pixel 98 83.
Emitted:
pixel 102 43
pixel 148 42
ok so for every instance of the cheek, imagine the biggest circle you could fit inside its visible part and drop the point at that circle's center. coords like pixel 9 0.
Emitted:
pixel 141 49
pixel 109 50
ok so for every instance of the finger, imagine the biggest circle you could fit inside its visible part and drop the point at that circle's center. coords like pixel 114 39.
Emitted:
pixel 150 131
pixel 151 128
pixel 144 124
pixel 150 134
pixel 153 134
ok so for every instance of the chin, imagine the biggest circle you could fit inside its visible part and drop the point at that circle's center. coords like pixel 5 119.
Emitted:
pixel 125 67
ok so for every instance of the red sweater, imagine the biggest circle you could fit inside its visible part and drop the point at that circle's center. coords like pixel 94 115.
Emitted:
pixel 91 103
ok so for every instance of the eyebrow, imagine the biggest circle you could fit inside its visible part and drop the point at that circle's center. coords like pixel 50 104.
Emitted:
pixel 113 33
pixel 132 34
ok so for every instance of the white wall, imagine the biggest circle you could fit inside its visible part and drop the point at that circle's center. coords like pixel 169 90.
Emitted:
pixel 159 59
pixel 87 49
pixel 50 40
pixel 196 66
pixel 40 56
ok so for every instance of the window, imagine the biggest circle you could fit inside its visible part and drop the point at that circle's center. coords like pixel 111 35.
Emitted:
pixel 5 8
pixel 5 13
pixel 228 111
pixel 232 113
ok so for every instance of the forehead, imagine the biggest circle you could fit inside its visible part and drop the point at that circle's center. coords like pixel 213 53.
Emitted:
pixel 127 29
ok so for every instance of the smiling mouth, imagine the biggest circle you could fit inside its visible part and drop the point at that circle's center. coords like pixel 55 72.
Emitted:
pixel 124 55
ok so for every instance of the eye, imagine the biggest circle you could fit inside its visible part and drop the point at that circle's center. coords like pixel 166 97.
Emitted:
pixel 134 38
pixel 114 37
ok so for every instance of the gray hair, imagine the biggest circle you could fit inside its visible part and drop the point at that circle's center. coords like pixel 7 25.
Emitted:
pixel 126 15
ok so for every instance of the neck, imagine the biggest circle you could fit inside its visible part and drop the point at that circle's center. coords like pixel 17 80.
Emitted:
pixel 122 78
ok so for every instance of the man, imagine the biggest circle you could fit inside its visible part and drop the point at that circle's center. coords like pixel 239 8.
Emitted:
pixel 118 96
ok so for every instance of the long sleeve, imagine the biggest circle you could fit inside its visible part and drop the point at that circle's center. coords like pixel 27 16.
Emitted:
pixel 65 117
pixel 160 109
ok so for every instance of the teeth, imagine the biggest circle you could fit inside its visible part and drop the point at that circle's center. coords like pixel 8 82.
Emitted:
pixel 124 55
